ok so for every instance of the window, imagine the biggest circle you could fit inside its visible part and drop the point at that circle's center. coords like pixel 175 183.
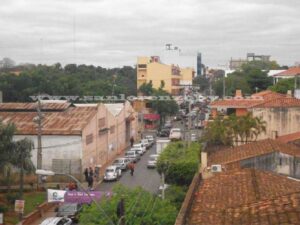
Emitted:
pixel 112 129
pixel 89 139
pixel 142 66
pixel 101 122
pixel 149 105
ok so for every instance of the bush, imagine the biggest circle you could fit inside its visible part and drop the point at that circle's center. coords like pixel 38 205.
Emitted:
pixel 3 208
pixel 179 164
pixel 176 194
pixel 12 197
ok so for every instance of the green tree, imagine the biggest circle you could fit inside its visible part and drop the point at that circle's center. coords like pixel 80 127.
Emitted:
pixel 283 85
pixel 179 163
pixel 21 159
pixel 141 207
pixel 201 82
pixel 146 88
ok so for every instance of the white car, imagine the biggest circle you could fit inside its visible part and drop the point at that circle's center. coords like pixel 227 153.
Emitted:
pixel 57 221
pixel 133 156
pixel 150 139
pixel 112 173
pixel 193 137
pixel 175 134
pixel 140 145
pixel 138 150
pixel 146 143
pixel 152 161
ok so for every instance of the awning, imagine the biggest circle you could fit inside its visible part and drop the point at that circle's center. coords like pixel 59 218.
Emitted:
pixel 151 116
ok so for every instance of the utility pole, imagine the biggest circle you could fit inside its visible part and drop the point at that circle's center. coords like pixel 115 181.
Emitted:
pixel 224 91
pixel 189 124
pixel 39 140
pixel 163 185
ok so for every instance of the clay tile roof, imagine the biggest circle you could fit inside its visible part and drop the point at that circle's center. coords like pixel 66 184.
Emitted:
pixel 293 71
pixel 246 196
pixel 267 95
pixel 289 137
pixel 250 150
pixel 68 122
pixel 280 102
pixel 236 103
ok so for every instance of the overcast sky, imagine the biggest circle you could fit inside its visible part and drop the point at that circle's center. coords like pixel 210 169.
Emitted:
pixel 113 33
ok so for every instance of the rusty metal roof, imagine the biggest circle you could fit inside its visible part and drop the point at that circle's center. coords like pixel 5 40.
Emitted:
pixel 32 106
pixel 71 121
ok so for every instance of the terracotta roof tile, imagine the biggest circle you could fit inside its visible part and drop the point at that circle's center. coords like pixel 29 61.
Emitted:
pixel 250 150
pixel 293 71
pixel 268 95
pixel 289 137
pixel 67 122
pixel 236 103
pixel 246 196
pixel 279 102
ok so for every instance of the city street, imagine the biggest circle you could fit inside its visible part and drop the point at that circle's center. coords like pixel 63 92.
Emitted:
pixel 148 179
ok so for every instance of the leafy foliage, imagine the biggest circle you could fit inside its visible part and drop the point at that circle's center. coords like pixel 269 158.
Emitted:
pixel 179 163
pixel 141 207
pixel 176 194
pixel 77 80
pixel 233 129
pixel 283 85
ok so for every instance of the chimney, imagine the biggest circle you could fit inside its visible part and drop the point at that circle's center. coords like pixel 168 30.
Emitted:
pixel 274 134
pixel 238 93
pixel 203 160
pixel 289 93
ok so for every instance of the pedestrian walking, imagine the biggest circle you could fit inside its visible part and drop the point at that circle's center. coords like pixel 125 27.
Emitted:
pixel 90 182
pixel 91 172
pixel 86 174
pixel 131 141
pixel 131 167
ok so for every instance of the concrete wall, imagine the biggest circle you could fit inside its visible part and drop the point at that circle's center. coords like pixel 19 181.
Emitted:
pixel 63 147
pixel 281 120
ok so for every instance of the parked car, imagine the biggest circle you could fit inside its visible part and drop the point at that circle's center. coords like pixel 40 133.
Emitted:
pixel 193 137
pixel 163 133
pixel 152 161
pixel 69 210
pixel 175 134
pixel 146 142
pixel 150 139
pixel 133 156
pixel 168 124
pixel 112 173
pixel 122 163
pixel 138 150
pixel 140 145
pixel 57 221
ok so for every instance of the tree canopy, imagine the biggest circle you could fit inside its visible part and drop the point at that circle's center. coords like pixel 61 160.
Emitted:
pixel 283 85
pixel 75 80
pixel 141 207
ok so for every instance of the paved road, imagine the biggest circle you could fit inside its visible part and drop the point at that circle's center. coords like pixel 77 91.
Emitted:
pixel 148 179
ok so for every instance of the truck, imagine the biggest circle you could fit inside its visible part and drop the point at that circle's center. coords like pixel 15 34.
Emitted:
pixel 161 144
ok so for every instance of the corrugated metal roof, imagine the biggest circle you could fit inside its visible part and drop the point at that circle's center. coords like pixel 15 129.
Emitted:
pixel 32 106
pixel 68 122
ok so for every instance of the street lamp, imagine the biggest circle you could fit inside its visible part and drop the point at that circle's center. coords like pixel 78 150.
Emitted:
pixel 51 173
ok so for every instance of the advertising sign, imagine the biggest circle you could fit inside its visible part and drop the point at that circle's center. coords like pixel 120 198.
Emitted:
pixel 83 198
pixel 19 206
pixel 55 195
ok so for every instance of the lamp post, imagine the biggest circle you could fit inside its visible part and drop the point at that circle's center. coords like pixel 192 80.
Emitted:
pixel 51 173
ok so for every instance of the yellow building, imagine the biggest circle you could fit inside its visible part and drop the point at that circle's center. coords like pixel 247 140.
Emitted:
pixel 151 69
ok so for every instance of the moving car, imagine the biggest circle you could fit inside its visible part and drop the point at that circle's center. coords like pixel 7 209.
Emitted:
pixel 112 173
pixel 69 210
pixel 150 139
pixel 132 156
pixel 140 145
pixel 163 132
pixel 57 221
pixel 152 161
pixel 175 134
pixel 122 163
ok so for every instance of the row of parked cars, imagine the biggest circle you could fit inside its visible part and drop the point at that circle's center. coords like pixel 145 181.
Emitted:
pixel 133 155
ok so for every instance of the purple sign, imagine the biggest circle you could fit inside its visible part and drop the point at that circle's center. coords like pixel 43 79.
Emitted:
pixel 83 198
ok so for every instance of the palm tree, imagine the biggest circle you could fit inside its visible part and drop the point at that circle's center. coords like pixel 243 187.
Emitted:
pixel 22 159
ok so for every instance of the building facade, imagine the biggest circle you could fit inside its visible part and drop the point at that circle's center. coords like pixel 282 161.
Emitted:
pixel 151 69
